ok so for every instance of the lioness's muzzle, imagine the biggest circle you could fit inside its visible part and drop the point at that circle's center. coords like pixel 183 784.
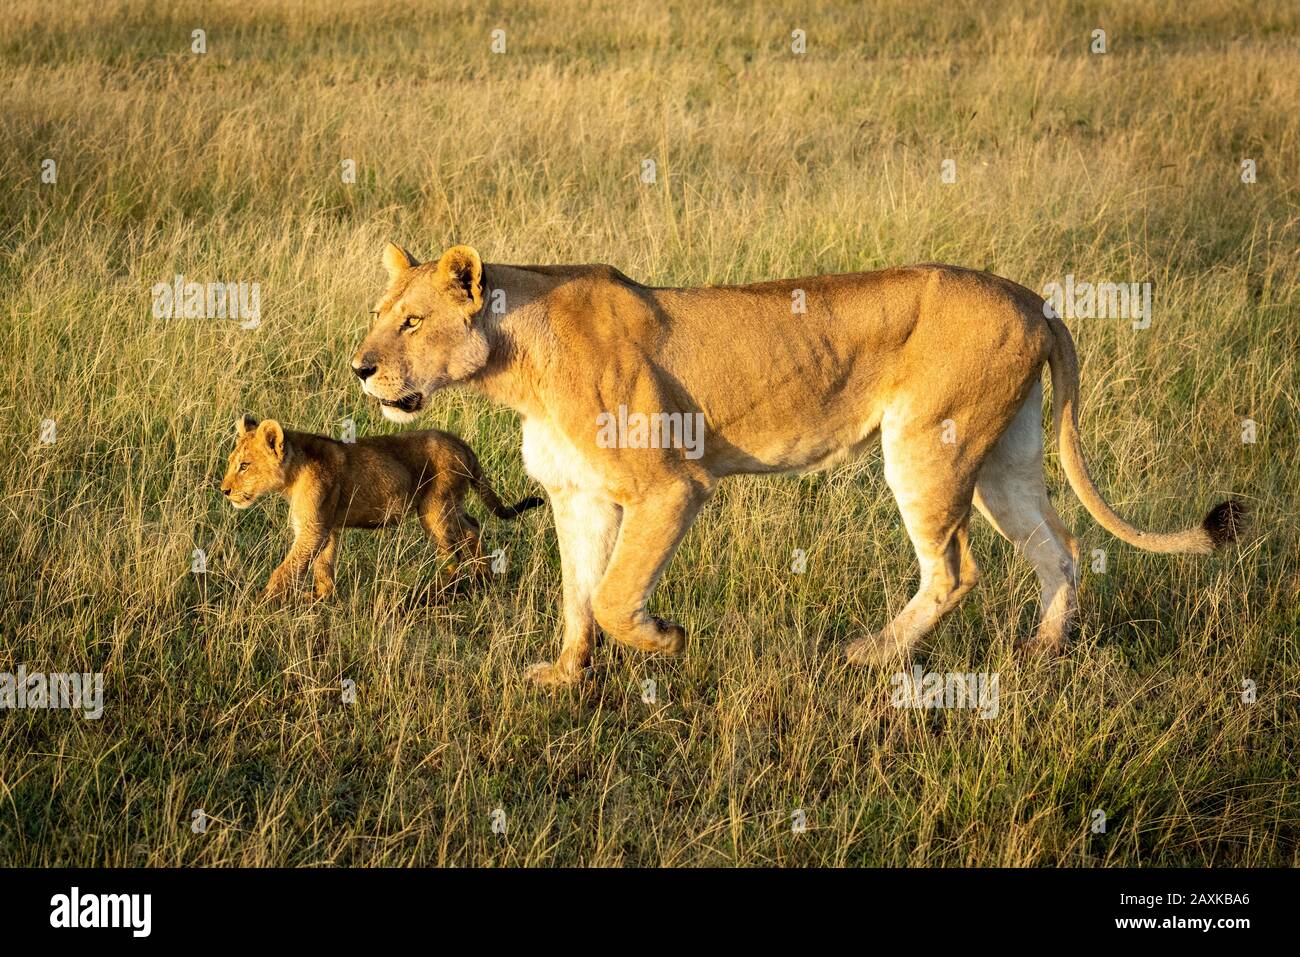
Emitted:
pixel 407 403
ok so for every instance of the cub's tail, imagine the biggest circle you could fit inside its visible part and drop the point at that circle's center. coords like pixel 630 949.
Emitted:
pixel 1221 526
pixel 490 498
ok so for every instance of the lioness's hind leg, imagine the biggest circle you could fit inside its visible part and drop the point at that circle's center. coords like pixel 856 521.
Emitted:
pixel 948 572
pixel 1012 495
pixel 933 490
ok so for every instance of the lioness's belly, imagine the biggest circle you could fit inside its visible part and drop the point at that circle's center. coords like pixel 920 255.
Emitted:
pixel 791 429
pixel 805 453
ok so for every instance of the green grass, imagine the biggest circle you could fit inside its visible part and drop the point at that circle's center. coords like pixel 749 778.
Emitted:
pixel 225 166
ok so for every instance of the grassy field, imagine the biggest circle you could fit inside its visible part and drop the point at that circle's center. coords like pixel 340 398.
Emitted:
pixel 226 165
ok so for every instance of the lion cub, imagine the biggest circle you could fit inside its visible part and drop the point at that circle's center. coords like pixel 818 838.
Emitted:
pixel 369 483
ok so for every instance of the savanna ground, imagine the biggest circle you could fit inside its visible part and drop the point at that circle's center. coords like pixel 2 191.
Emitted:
pixel 1123 166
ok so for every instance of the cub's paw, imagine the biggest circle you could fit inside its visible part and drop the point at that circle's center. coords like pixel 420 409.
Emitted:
pixel 284 595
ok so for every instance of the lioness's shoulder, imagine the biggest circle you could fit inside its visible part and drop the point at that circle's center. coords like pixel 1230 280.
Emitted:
pixel 586 273
pixel 593 301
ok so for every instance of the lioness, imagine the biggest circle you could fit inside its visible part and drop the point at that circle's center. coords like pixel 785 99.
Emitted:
pixel 941 364
pixel 369 483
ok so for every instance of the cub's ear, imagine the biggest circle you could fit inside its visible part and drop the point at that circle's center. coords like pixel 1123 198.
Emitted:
pixel 461 271
pixel 245 423
pixel 397 260
pixel 273 435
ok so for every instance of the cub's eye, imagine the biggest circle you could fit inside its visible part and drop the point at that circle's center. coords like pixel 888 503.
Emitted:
pixel 242 466
pixel 411 322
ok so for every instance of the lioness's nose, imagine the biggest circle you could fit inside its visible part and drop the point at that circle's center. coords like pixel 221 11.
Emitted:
pixel 363 368
pixel 225 491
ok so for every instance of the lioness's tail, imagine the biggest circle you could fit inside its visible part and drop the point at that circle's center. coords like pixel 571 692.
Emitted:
pixel 490 499
pixel 1220 526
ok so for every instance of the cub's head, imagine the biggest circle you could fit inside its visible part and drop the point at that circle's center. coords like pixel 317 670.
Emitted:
pixel 257 464
pixel 427 332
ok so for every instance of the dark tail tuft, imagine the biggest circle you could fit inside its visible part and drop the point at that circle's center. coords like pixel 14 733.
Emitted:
pixel 1225 522
pixel 512 511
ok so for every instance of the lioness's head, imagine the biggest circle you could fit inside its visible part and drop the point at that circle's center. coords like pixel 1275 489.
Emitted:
pixel 427 331
pixel 257 464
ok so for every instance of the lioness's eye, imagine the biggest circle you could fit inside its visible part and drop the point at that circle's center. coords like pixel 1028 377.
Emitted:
pixel 411 322
pixel 242 466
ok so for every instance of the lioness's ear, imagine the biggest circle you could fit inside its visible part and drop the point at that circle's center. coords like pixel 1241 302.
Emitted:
pixel 245 423
pixel 461 270
pixel 273 435
pixel 397 260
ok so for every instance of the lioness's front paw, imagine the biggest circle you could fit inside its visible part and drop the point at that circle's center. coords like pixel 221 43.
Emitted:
pixel 875 651
pixel 552 674
pixel 672 637
pixel 1041 647
pixel 651 634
